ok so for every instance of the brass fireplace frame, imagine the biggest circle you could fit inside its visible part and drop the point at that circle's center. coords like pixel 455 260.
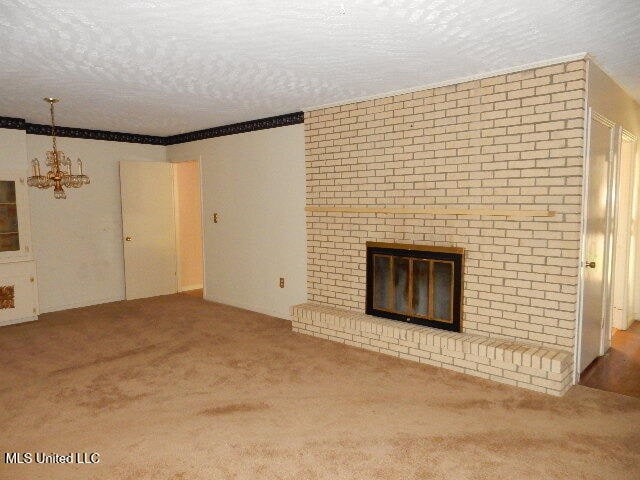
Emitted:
pixel 418 253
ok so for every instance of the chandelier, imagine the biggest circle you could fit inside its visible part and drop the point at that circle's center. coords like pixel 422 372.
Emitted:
pixel 60 173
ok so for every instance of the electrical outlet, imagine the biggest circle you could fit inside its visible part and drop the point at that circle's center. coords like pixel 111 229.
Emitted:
pixel 281 282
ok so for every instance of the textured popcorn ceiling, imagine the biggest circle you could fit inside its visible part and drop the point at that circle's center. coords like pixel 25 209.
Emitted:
pixel 164 67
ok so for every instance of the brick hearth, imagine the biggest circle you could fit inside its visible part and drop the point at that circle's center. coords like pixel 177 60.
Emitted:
pixel 534 367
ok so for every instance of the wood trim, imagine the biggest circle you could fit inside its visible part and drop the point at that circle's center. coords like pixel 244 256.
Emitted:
pixel 433 211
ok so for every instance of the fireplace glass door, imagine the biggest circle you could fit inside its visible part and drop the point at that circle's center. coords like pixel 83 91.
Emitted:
pixel 418 286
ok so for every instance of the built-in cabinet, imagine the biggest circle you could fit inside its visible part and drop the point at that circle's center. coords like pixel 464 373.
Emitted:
pixel 18 290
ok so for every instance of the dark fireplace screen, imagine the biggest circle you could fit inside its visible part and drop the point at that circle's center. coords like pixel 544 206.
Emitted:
pixel 416 284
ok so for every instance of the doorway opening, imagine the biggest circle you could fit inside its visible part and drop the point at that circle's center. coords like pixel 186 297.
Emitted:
pixel 608 340
pixel 188 227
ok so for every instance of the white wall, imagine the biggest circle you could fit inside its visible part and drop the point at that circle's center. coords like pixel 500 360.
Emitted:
pixel 13 150
pixel 188 225
pixel 256 183
pixel 607 98
pixel 78 241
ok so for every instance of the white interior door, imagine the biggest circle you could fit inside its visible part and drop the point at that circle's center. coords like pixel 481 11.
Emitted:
pixel 595 243
pixel 148 225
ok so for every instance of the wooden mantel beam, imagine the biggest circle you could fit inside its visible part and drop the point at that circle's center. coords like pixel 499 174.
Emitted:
pixel 493 212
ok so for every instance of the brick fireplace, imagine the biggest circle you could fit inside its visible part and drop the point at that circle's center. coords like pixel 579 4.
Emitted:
pixel 390 170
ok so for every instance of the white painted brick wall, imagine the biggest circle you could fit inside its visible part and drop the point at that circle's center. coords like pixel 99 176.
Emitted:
pixel 511 141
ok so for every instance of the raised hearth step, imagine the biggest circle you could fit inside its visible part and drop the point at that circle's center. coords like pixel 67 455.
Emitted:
pixel 529 366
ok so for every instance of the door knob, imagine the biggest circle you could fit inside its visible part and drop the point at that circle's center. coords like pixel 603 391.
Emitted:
pixel 127 239
pixel 590 264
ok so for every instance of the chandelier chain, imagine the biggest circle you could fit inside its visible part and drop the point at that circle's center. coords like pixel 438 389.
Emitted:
pixel 53 128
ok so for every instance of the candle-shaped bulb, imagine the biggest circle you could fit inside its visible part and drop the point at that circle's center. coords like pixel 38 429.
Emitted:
pixel 36 167
pixel 80 165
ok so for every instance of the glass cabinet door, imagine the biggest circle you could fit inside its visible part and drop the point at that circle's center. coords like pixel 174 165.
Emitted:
pixel 9 234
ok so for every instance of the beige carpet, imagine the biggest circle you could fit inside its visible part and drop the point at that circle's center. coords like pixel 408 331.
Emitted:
pixel 177 388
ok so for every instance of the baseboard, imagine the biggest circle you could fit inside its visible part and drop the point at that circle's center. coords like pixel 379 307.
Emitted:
pixel 84 303
pixel 32 318
pixel 253 308
pixel 188 288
